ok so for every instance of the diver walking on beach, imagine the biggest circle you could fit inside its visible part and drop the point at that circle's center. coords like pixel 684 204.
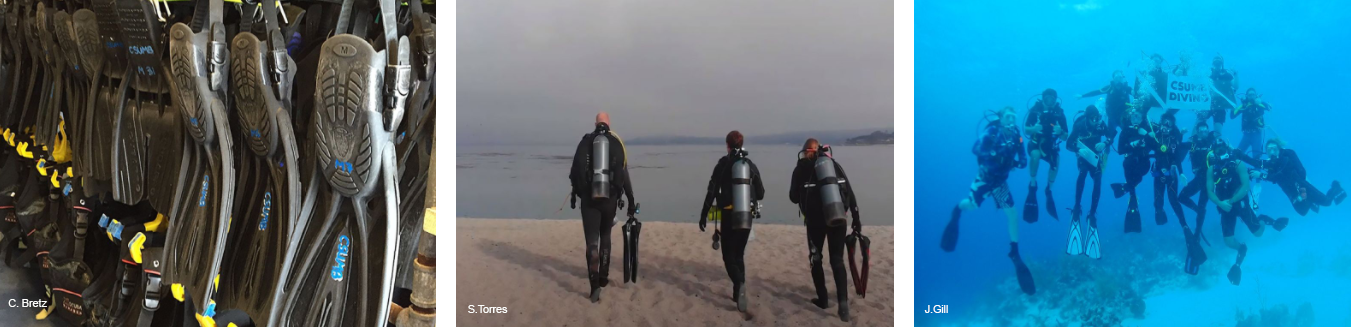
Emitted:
pixel 823 213
pixel 998 152
pixel 737 189
pixel 599 175
pixel 1045 127
pixel 1227 186
pixel 1089 139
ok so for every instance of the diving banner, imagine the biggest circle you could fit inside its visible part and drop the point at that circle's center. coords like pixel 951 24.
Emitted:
pixel 1188 93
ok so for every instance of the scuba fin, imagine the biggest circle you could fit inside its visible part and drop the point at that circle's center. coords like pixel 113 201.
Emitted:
pixel 1050 204
pixel 341 251
pixel 860 278
pixel 1030 209
pixel 1024 275
pixel 1118 190
pixel 949 242
pixel 1235 274
pixel 632 229
pixel 1132 217
pixel 1337 193
pixel 1075 245
pixel 261 75
pixel 1195 254
pixel 1094 247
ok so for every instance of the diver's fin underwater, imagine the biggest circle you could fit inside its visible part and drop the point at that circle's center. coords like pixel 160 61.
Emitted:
pixel 261 75
pixel 1132 217
pixel 1118 190
pixel 1050 204
pixel 1093 249
pixel 1030 209
pixel 949 241
pixel 1195 254
pixel 1075 245
pixel 341 251
pixel 1024 275
pixel 860 277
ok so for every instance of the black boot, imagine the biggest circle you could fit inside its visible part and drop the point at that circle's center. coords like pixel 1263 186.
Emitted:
pixel 741 302
pixel 844 308
pixel 595 294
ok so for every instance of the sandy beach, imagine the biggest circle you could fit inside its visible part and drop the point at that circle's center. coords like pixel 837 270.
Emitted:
pixel 536 269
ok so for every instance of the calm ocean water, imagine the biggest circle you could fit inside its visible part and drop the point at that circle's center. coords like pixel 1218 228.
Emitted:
pixel 669 180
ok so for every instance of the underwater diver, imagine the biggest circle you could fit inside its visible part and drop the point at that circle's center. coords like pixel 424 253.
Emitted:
pixel 1136 142
pixel 822 228
pixel 1149 89
pixel 737 187
pixel 600 174
pixel 1045 125
pixel 1118 98
pixel 1227 186
pixel 1253 111
pixel 1199 146
pixel 1088 129
pixel 1224 83
pixel 1283 168
pixel 998 152
pixel 1168 156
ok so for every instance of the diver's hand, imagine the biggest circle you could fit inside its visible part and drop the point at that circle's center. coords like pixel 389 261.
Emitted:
pixel 573 199
pixel 1151 135
pixel 1135 143
pixel 1034 129
pixel 1224 205
pixel 1101 147
pixel 703 223
pixel 858 224
pixel 633 209
pixel 1143 131
pixel 1056 129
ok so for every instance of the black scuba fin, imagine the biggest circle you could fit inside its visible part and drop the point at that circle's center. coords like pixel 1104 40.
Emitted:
pixel 1132 217
pixel 1050 204
pixel 1030 209
pixel 949 241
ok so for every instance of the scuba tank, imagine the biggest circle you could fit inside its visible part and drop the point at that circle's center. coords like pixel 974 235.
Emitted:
pixel 600 163
pixel 832 202
pixel 741 191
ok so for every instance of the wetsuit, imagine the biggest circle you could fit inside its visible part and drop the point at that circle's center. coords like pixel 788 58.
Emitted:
pixel 1253 122
pixel 1090 135
pixel 1228 181
pixel 1160 85
pixel 733 240
pixel 1118 97
pixel 1288 172
pixel 1224 83
pixel 1167 154
pixel 1198 149
pixel 598 216
pixel 998 152
pixel 1045 140
pixel 818 233
pixel 1136 148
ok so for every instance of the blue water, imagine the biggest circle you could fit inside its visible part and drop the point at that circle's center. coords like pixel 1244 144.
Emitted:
pixel 976 56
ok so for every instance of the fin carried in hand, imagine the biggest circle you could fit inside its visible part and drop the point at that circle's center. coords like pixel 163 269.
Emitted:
pixel 1132 217
pixel 1094 247
pixel 1075 245
pixel 860 277
pixel 1030 209
pixel 631 229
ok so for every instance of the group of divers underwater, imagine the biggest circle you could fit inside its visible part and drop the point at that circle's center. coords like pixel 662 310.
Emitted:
pixel 1224 175
pixel 820 188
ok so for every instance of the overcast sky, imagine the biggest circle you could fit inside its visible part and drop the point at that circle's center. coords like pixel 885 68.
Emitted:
pixel 537 71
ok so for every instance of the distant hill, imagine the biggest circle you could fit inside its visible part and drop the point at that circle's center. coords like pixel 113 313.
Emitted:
pixel 791 138
pixel 876 138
